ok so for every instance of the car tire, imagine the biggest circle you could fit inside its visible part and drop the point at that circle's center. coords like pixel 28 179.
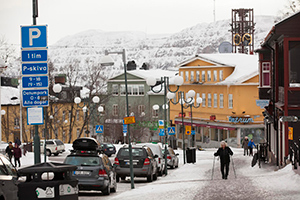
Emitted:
pixel 176 166
pixel 155 176
pixel 114 189
pixel 106 191
pixel 56 154
pixel 48 153
pixel 117 178
pixel 150 177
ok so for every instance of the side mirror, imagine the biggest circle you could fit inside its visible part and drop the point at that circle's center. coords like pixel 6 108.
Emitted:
pixel 177 154
pixel 156 156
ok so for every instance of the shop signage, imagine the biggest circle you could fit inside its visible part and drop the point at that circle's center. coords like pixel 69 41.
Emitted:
pixel 243 120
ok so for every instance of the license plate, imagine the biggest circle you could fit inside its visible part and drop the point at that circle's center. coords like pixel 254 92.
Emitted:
pixel 111 149
pixel 133 163
pixel 81 173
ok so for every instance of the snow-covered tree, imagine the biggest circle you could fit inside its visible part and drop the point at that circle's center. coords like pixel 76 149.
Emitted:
pixel 291 7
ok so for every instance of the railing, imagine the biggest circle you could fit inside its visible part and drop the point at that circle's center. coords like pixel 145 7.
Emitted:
pixel 294 153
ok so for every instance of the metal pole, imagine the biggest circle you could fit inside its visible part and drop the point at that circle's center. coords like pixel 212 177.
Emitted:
pixel 193 136
pixel 21 114
pixel 0 109
pixel 165 125
pixel 127 106
pixel 183 142
pixel 45 132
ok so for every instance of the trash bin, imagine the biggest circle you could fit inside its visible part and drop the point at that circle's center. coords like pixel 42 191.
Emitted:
pixel 59 183
pixel 191 155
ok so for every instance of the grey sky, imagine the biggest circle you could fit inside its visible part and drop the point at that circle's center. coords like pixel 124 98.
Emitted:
pixel 67 17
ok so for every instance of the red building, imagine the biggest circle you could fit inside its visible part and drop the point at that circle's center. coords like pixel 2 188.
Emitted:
pixel 279 59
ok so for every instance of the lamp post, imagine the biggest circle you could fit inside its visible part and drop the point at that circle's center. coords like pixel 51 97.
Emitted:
pixel 182 101
pixel 151 81
pixel 107 60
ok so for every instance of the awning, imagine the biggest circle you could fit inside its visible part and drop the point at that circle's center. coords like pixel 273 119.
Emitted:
pixel 206 125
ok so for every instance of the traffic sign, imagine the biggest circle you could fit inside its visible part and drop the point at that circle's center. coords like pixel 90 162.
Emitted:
pixel 34 36
pixel 171 130
pixel 129 120
pixel 34 68
pixel 193 132
pixel 125 128
pixel 99 128
pixel 35 116
pixel 188 130
pixel 35 97
pixel 161 132
pixel 35 81
pixel 161 124
pixel 40 55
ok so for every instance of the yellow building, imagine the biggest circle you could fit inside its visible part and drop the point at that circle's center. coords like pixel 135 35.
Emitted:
pixel 228 86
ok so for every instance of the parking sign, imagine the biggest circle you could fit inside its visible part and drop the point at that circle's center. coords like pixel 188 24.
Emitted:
pixel 34 36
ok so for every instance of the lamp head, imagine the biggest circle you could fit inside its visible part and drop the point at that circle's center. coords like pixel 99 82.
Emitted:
pixel 100 109
pixel 155 107
pixel 151 81
pixel 191 93
pixel 170 95
pixel 178 80
pixel 57 88
pixel 199 100
pixel 77 100
pixel 96 99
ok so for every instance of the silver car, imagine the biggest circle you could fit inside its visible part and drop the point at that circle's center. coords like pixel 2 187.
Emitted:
pixel 173 160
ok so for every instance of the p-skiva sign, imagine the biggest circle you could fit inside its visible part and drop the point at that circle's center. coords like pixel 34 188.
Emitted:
pixel 243 120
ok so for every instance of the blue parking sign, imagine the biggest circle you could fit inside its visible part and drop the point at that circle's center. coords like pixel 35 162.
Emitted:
pixel 34 36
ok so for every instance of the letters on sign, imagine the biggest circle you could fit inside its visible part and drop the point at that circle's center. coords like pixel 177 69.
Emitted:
pixel 244 120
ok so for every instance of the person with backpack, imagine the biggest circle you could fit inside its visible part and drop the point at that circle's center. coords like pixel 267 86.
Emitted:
pixel 224 152
pixel 250 146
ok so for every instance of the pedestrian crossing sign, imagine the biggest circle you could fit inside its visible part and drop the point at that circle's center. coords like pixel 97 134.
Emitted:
pixel 171 130
pixel 99 129
pixel 188 130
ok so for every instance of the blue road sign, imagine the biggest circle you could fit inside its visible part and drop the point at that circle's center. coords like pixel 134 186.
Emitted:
pixel 161 132
pixel 193 132
pixel 34 36
pixel 171 130
pixel 99 128
pixel 34 68
pixel 34 55
pixel 35 81
pixel 160 122
pixel 125 128
pixel 35 97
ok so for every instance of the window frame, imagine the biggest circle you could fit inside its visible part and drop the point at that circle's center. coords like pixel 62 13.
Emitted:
pixel 265 72
pixel 209 100
pixel 230 101
pixel 215 75
pixel 221 78
pixel 215 100
pixel 221 101
pixel 208 75
pixel 203 100
pixel 115 89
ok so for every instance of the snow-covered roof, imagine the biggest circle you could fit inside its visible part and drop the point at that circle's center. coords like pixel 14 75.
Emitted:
pixel 7 93
pixel 245 66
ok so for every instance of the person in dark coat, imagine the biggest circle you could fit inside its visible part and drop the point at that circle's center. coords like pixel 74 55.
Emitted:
pixel 18 141
pixel 17 155
pixel 245 145
pixel 224 153
pixel 9 151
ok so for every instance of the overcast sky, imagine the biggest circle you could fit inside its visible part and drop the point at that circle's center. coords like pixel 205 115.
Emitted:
pixel 67 17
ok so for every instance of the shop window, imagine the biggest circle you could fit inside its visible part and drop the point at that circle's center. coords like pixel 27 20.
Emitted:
pixel 203 100
pixel 230 101
pixel 215 100
pixel 266 67
pixel 209 100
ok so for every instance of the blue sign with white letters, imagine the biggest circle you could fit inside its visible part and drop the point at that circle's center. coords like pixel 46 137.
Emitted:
pixel 35 81
pixel 34 36
pixel 34 55
pixel 34 68
pixel 124 128
pixel 35 97
pixel 161 132
pixel 99 128
pixel 171 130
pixel 193 132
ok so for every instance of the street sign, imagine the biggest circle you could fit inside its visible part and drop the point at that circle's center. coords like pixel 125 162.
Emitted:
pixel 171 130
pixel 34 36
pixel 289 118
pixel 34 81
pixel 35 116
pixel 129 120
pixel 161 124
pixel 193 132
pixel 262 103
pixel 125 128
pixel 188 130
pixel 34 55
pixel 34 68
pixel 35 97
pixel 99 128
pixel 161 132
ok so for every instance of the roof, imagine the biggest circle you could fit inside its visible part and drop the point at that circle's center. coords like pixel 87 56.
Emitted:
pixel 9 92
pixel 245 66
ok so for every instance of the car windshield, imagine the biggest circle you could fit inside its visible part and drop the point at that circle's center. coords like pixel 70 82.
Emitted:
pixel 136 152
pixel 110 145
pixel 58 142
pixel 83 161
pixel 163 151
pixel 6 168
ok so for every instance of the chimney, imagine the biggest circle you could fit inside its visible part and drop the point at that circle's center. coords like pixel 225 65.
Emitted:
pixel 145 66
pixel 131 65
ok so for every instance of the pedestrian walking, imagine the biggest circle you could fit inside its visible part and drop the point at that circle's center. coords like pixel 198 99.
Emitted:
pixel 17 155
pixel 18 141
pixel 250 146
pixel 9 151
pixel 224 153
pixel 245 145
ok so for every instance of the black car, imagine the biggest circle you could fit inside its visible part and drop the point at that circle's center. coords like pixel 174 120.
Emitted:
pixel 8 179
pixel 94 169
pixel 144 163
pixel 108 149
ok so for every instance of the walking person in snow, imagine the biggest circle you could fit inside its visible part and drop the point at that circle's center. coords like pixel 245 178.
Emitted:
pixel 245 145
pixel 250 145
pixel 224 152
pixel 9 151
pixel 17 155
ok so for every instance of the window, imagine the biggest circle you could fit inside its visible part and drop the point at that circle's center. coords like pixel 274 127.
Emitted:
pixel 197 96
pixel 115 110
pixel 64 116
pixel 221 100
pixel 294 61
pixel 141 90
pixel 230 101
pixel 115 89
pixel 154 113
pixel 197 76
pixel 135 90
pixel 77 115
pixel 141 109
pixel 203 76
pixel 203 100
pixel 129 89
pixel 209 75
pixel 17 122
pixel 192 76
pixel 122 90
pixel 209 100
pixel 215 100
pixel 186 76
pixel 215 75
pixel 266 66
pixel 181 74
pixel 221 75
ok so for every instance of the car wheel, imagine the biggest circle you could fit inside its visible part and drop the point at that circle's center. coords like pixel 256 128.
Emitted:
pixel 150 177
pixel 173 165
pixel 106 191
pixel 176 166
pixel 114 189
pixel 118 178
pixel 56 154
pixel 48 152
pixel 155 176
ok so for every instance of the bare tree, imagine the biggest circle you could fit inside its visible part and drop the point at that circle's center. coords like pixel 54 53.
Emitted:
pixel 291 7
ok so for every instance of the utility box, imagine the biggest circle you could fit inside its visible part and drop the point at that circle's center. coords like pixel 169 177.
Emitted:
pixel 191 155
pixel 58 184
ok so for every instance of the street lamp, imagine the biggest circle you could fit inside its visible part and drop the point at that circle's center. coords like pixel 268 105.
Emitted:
pixel 107 60
pixel 151 81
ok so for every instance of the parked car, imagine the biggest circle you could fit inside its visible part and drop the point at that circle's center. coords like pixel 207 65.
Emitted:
pixel 108 149
pixel 53 146
pixel 94 169
pixel 144 163
pixel 172 158
pixel 156 149
pixel 8 179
